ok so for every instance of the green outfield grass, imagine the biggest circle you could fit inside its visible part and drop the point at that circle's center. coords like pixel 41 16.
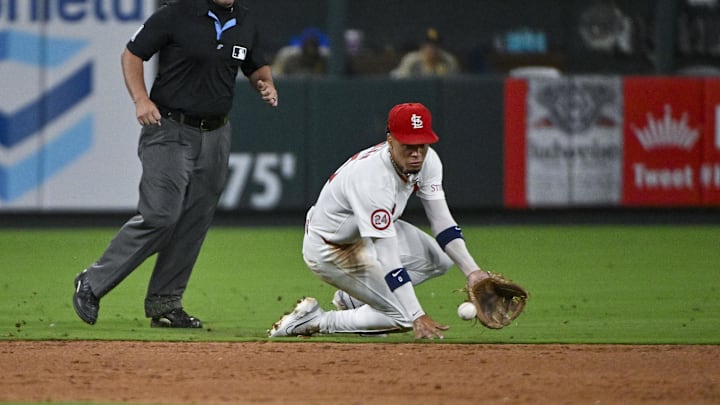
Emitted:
pixel 588 284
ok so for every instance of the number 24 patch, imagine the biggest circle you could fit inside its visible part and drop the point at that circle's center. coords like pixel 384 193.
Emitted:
pixel 380 219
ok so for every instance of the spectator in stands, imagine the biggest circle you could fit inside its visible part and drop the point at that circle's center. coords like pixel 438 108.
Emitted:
pixel 430 60
pixel 309 61
pixel 306 54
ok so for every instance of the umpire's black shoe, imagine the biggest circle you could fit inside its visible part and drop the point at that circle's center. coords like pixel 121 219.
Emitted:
pixel 86 304
pixel 177 318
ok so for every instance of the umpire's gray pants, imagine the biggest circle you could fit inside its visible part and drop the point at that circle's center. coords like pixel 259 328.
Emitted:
pixel 183 174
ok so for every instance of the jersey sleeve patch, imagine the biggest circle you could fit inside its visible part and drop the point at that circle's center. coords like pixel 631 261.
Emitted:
pixel 380 219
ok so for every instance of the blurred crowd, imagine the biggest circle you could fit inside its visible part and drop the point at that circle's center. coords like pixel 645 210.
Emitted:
pixel 308 53
pixel 599 36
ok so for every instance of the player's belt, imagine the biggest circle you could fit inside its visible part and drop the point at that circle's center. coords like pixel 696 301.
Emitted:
pixel 202 123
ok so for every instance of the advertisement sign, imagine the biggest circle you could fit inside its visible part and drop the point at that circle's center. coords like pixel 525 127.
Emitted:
pixel 514 146
pixel 663 145
pixel 710 169
pixel 68 137
pixel 574 141
pixel 569 150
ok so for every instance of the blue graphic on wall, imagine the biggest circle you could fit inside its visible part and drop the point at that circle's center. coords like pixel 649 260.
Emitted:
pixel 29 121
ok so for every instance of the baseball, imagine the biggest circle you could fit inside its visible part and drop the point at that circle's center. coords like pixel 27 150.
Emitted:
pixel 466 311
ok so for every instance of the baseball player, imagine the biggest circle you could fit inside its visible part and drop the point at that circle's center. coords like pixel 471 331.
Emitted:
pixel 355 241
pixel 184 148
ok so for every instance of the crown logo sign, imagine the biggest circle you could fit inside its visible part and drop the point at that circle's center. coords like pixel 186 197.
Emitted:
pixel 667 132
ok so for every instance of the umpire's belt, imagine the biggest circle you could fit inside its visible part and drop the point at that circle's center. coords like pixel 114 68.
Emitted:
pixel 202 123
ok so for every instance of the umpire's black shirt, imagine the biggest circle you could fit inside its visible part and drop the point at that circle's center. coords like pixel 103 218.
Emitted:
pixel 200 48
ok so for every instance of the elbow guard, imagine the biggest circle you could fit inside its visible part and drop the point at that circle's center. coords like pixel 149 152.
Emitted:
pixel 448 235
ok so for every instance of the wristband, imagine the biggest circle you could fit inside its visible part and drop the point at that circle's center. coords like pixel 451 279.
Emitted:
pixel 448 235
pixel 397 278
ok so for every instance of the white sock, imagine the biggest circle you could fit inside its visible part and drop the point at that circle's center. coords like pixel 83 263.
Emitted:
pixel 364 319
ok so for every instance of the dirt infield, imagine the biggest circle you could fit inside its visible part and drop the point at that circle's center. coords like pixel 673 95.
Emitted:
pixel 329 373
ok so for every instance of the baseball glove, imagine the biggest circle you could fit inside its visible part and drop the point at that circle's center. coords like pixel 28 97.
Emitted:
pixel 498 301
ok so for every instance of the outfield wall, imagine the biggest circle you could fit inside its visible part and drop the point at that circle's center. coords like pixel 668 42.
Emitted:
pixel 320 123
pixel 575 141
pixel 68 138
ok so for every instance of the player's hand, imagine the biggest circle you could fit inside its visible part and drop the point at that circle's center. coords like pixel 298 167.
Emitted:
pixel 425 328
pixel 147 112
pixel 267 92
pixel 476 276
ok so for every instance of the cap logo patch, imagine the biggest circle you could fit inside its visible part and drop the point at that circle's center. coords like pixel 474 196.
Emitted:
pixel 380 219
pixel 416 121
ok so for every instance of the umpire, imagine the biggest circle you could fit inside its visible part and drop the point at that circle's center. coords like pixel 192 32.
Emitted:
pixel 184 147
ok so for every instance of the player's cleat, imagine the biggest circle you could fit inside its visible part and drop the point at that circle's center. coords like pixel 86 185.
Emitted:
pixel 177 318
pixel 85 303
pixel 302 321
pixel 343 301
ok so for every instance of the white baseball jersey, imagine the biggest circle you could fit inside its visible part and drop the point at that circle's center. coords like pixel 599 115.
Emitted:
pixel 365 196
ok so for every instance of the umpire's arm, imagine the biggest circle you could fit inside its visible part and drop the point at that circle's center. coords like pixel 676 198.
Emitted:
pixel 133 73
pixel 262 80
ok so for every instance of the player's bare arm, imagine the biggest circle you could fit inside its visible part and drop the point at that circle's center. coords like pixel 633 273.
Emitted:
pixel 449 235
